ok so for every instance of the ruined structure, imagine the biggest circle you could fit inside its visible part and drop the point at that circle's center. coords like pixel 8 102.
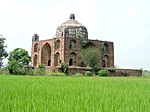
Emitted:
pixel 66 47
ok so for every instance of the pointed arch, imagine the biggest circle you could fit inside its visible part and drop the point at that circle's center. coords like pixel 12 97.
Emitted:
pixel 90 44
pixel 35 60
pixel 72 44
pixel 57 44
pixel 36 47
pixel 106 47
pixel 57 59
pixel 72 59
pixel 46 55
pixel 106 60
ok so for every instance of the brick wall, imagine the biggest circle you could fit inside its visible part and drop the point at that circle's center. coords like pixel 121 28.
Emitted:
pixel 118 72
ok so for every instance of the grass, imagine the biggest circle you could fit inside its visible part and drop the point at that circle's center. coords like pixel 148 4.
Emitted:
pixel 74 94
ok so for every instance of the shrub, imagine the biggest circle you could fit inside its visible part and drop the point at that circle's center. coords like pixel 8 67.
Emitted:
pixel 125 73
pixel 112 70
pixel 28 70
pixel 88 68
pixel 96 69
pixel 4 71
pixel 64 68
pixel 37 71
pixel 88 73
pixel 102 73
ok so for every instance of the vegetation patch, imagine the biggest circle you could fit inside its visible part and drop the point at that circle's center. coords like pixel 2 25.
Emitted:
pixel 74 94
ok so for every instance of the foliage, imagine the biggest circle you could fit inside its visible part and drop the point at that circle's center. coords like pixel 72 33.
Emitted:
pixel 125 73
pixel 146 73
pixel 37 71
pixel 103 72
pixel 41 70
pixel 4 70
pixel 74 94
pixel 64 68
pixel 111 69
pixel 82 40
pixel 90 56
pixel 96 69
pixel 78 75
pixel 88 68
pixel 3 53
pixel 17 60
pixel 88 73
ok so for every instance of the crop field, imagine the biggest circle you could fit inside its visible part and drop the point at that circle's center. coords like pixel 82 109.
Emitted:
pixel 74 94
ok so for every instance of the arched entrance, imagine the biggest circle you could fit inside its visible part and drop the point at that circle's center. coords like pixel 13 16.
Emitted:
pixel 57 59
pixel 35 59
pixel 70 62
pixel 57 44
pixel 89 44
pixel 106 60
pixel 72 59
pixel 36 47
pixel 46 55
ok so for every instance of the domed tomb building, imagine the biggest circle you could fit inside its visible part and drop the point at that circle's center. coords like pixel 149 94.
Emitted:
pixel 66 47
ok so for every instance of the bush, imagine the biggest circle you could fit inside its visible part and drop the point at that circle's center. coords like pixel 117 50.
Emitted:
pixel 112 70
pixel 4 71
pixel 78 75
pixel 88 68
pixel 88 73
pixel 96 69
pixel 64 68
pixel 102 73
pixel 27 70
pixel 125 73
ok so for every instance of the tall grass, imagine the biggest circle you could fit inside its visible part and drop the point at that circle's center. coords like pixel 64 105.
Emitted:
pixel 74 94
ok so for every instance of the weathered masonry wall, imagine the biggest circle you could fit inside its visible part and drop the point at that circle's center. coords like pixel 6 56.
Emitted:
pixel 118 72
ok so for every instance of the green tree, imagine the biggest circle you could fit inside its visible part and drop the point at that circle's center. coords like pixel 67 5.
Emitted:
pixel 18 59
pixel 82 39
pixel 90 56
pixel 3 53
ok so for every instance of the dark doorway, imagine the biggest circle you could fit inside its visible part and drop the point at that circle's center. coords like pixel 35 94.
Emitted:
pixel 104 63
pixel 49 62
pixel 70 62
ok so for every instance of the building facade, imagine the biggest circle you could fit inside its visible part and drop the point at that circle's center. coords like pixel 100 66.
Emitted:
pixel 66 47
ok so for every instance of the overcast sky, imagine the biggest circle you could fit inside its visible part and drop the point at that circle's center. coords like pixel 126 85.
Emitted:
pixel 125 22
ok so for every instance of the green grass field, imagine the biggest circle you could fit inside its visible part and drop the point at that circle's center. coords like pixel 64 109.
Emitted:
pixel 74 94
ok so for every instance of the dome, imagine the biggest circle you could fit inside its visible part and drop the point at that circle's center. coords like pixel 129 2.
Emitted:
pixel 72 28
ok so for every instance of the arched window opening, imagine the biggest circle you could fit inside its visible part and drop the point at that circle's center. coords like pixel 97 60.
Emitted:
pixel 106 47
pixel 57 44
pixel 103 63
pixel 66 33
pixel 106 58
pixel 36 47
pixel 72 60
pixel 46 54
pixel 35 60
pixel 57 60
pixel 90 44
pixel 49 62
pixel 72 44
